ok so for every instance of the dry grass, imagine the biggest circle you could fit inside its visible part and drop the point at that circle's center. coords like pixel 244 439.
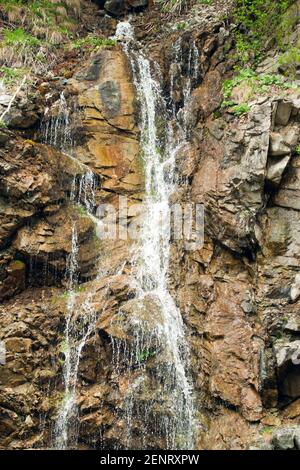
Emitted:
pixel 45 25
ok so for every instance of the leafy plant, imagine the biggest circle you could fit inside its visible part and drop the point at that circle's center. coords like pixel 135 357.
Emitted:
pixel 256 18
pixel 298 149
pixel 267 430
pixel 181 26
pixel 255 83
pixel 230 84
pixel 144 355
pixel 18 37
pixel 240 109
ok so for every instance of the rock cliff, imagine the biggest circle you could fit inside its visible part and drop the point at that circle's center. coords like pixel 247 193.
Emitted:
pixel 72 141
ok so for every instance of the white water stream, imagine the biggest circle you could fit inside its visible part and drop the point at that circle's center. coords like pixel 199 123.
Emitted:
pixel 152 251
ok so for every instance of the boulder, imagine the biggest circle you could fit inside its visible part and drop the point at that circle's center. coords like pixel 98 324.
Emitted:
pixel 115 7
pixel 289 191
pixel 276 168
pixel 285 438
pixel 278 147
pixel 138 3
pixel 295 289
pixel 283 112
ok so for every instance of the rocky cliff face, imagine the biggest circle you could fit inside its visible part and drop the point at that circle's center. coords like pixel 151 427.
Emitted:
pixel 60 157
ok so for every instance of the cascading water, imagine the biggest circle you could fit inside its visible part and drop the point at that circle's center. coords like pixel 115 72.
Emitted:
pixel 151 261
pixel 80 323
pixel 57 129
pixel 80 319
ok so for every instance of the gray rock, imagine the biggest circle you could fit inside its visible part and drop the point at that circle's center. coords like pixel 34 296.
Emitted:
pixel 290 135
pixel 5 99
pixel 138 3
pixel 278 146
pixel 17 118
pixel 297 438
pixel 289 193
pixel 276 168
pixel 92 73
pixel 283 439
pixel 293 324
pixel 111 98
pixel 115 7
pixel 287 356
pixel 287 351
pixel 296 107
pixel 283 113
pixel 295 289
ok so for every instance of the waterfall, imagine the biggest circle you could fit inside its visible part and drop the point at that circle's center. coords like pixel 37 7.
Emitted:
pixel 80 323
pixel 152 256
pixel 81 317
pixel 57 129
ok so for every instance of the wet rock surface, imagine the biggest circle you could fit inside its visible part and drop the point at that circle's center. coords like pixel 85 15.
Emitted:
pixel 238 294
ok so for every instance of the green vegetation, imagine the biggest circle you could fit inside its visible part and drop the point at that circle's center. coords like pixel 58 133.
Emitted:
pixel 63 347
pixel 267 430
pixel 240 109
pixel 230 84
pixel 10 75
pixel 82 211
pixel 19 37
pixel 249 83
pixel 290 60
pixel 298 149
pixel 256 19
pixel 92 42
pixel 65 295
pixel 182 25
pixel 145 355
pixel 34 31
pixel 205 2
pixel 2 124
